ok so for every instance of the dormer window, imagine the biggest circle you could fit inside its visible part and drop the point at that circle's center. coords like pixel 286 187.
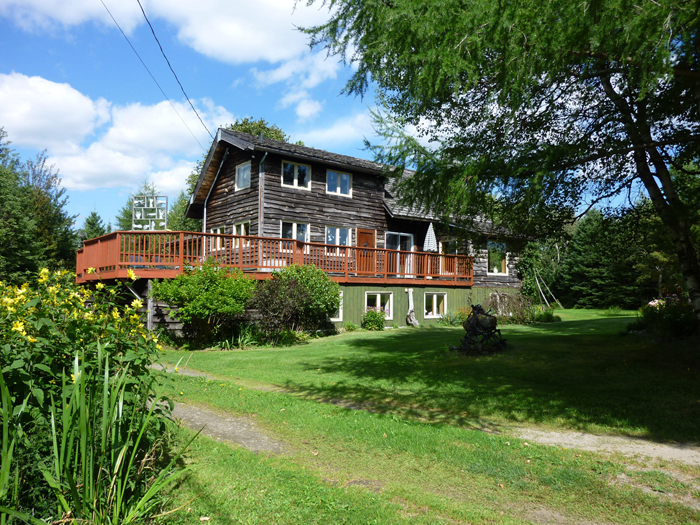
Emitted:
pixel 338 183
pixel 296 175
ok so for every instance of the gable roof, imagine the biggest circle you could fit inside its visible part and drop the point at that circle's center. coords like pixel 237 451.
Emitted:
pixel 244 141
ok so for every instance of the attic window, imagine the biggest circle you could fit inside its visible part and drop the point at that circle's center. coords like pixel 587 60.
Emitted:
pixel 243 176
pixel 296 175
pixel 339 183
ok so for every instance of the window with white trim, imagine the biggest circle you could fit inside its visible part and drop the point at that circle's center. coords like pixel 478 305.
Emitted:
pixel 497 258
pixel 243 176
pixel 295 230
pixel 338 315
pixel 337 236
pixel 296 175
pixel 435 305
pixel 241 228
pixel 383 300
pixel 338 183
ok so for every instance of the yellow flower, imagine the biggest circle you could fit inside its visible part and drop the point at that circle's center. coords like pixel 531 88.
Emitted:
pixel 72 378
pixel 43 275
pixel 130 273
pixel 137 303
pixel 100 286
pixel 90 270
pixel 18 326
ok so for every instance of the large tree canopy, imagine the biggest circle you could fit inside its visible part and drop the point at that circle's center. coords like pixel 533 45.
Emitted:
pixel 528 110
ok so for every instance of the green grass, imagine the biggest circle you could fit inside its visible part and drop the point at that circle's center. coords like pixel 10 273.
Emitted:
pixel 427 449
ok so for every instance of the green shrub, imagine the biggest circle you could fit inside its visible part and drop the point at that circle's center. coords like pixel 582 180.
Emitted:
pixel 296 298
pixel 373 319
pixel 544 315
pixel 671 317
pixel 208 299
pixel 350 327
pixel 455 318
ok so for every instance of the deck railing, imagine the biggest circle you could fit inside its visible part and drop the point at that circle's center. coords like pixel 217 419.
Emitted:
pixel 167 254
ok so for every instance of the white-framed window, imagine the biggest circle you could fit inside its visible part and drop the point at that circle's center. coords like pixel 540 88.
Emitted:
pixel 338 183
pixel 383 300
pixel 241 228
pixel 435 304
pixel 296 175
pixel 338 315
pixel 216 242
pixel 243 176
pixel 338 236
pixel 497 258
pixel 295 230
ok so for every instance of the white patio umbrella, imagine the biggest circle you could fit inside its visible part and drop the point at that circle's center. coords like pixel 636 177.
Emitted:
pixel 430 244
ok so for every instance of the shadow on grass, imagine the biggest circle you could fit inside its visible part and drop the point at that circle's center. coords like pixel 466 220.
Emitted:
pixel 587 375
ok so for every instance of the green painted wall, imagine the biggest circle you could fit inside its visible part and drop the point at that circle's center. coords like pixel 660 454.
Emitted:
pixel 354 301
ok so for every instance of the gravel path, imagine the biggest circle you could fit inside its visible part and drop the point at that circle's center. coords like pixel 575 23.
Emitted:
pixel 628 446
pixel 239 430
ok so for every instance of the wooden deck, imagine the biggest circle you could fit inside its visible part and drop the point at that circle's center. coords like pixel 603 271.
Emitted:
pixel 165 255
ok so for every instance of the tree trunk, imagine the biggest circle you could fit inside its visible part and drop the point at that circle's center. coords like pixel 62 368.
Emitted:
pixel 665 199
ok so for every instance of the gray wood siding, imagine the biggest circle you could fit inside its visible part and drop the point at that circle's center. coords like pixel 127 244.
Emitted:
pixel 226 205
pixel 483 278
pixel 365 209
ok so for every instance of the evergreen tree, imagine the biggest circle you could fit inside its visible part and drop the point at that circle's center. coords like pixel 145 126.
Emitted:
pixel 48 201
pixel 21 252
pixel 600 268
pixel 92 227
pixel 176 216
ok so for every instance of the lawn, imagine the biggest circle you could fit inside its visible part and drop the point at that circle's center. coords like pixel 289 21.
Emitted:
pixel 434 439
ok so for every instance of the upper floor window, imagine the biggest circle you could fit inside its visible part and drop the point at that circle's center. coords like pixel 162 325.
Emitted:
pixel 295 230
pixel 497 262
pixel 296 175
pixel 243 176
pixel 338 183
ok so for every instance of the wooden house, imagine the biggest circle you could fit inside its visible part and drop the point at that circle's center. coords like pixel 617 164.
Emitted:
pixel 267 204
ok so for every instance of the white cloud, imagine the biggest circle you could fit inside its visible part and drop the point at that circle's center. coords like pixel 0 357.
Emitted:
pixel 143 142
pixel 43 114
pixel 340 133
pixel 307 109
pixel 136 141
pixel 42 15
pixel 240 32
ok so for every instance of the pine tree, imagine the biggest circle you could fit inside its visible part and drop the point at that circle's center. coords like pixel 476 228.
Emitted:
pixel 92 227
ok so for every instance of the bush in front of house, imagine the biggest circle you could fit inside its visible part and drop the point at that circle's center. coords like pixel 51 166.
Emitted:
pixel 208 300
pixel 296 298
pixel 670 317
pixel 373 319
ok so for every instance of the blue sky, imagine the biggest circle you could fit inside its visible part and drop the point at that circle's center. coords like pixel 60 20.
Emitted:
pixel 70 84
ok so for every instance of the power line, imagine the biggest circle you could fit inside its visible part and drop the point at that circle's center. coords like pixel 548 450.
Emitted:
pixel 154 78
pixel 173 71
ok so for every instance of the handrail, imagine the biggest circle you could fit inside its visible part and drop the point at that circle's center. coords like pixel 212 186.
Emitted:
pixel 168 253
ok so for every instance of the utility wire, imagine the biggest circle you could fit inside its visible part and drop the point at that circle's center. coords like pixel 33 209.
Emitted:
pixel 173 71
pixel 151 74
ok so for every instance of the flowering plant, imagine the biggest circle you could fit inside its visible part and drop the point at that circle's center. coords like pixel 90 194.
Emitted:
pixel 373 319
pixel 42 328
